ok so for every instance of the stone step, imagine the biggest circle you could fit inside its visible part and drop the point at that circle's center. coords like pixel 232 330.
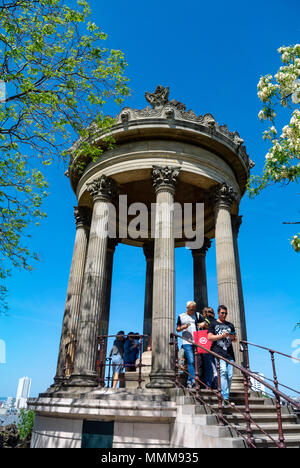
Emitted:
pixel 291 429
pixel 262 418
pixel 291 441
pixel 257 411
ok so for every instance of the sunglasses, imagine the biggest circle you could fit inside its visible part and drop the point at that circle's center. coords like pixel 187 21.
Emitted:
pixel 223 313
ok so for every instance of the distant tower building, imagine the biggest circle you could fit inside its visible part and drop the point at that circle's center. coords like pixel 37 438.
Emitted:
pixel 257 386
pixel 9 402
pixel 23 392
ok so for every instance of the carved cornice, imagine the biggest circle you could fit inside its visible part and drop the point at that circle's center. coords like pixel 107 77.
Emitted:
pixel 165 177
pixel 82 216
pixel 204 249
pixel 223 195
pixel 175 110
pixel 103 188
pixel 236 222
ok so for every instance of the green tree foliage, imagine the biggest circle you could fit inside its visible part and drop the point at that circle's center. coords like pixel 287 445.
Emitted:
pixel 55 77
pixel 282 162
pixel 25 426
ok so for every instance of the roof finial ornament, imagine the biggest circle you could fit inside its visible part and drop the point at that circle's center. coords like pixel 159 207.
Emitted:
pixel 159 98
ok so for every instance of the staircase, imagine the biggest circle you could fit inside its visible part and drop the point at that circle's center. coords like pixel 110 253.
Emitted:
pixel 263 413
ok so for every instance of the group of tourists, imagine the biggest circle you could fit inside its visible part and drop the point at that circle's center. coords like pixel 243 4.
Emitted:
pixel 123 354
pixel 220 333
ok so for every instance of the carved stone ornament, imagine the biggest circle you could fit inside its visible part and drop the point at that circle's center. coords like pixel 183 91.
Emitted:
pixel 159 98
pixel 165 176
pixel 103 187
pixel 204 248
pixel 223 194
pixel 236 222
pixel 82 216
pixel 148 248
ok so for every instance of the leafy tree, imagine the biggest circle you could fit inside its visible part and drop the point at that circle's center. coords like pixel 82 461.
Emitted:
pixel 282 162
pixel 25 425
pixel 55 77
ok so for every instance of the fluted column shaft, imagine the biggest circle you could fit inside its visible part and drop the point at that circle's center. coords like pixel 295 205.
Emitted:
pixel 200 278
pixel 236 223
pixel 104 323
pixel 147 328
pixel 72 306
pixel 163 321
pixel 92 309
pixel 226 265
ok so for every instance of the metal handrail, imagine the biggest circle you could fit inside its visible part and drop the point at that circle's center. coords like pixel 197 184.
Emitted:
pixel 247 374
pixel 243 370
pixel 270 350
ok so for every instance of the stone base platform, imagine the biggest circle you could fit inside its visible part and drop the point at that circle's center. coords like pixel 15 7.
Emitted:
pixel 123 418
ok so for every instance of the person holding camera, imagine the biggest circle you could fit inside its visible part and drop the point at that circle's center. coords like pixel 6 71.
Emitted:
pixel 222 334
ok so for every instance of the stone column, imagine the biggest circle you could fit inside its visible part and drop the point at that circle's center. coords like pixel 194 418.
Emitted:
pixel 72 306
pixel 149 255
pixel 104 323
pixel 163 321
pixel 236 223
pixel 200 279
pixel 228 291
pixel 92 308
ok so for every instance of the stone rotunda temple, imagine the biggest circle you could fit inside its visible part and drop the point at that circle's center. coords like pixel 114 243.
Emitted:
pixel 161 155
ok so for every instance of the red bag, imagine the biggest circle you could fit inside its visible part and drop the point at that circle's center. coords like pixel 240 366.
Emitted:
pixel 200 337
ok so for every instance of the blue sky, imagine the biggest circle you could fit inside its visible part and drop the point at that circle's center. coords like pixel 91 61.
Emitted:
pixel 211 55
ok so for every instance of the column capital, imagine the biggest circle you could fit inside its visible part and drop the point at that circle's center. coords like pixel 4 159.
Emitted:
pixel 223 195
pixel 236 222
pixel 204 248
pixel 112 244
pixel 165 177
pixel 148 249
pixel 82 216
pixel 103 188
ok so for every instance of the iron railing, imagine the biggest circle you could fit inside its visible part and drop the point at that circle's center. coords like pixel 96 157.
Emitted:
pixel 247 374
pixel 105 368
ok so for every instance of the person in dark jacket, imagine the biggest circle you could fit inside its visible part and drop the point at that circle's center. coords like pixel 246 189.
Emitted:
pixel 131 352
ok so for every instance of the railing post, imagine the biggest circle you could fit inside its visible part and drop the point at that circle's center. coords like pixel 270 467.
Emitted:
pixel 140 364
pixel 174 342
pixel 220 398
pixel 102 356
pixel 197 385
pixel 278 405
pixel 250 440
pixel 109 370
pixel 246 356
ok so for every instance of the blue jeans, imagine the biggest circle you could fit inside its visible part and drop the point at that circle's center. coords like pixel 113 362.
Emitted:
pixel 226 372
pixel 189 353
pixel 208 369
